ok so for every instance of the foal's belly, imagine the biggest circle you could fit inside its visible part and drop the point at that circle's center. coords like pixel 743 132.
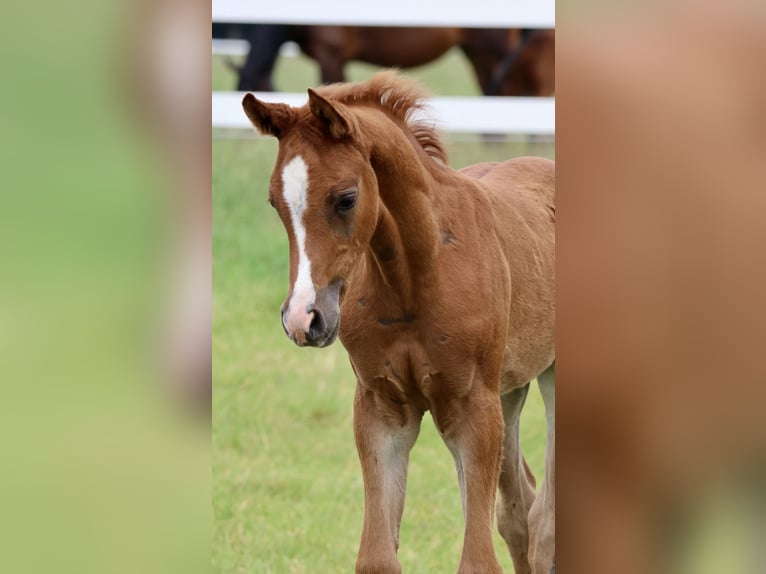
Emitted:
pixel 515 373
pixel 527 354
pixel 405 48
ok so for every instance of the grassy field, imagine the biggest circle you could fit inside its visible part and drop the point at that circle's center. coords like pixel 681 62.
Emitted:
pixel 287 488
pixel 451 74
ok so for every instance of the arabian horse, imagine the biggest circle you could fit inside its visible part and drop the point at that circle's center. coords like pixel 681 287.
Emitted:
pixel 440 284
pixel 506 62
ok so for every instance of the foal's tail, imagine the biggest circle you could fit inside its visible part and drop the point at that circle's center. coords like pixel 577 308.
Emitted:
pixel 528 471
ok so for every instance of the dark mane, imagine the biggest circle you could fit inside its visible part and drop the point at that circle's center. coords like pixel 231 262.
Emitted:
pixel 398 96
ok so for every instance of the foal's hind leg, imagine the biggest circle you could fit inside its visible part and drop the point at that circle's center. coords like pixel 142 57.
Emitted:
pixel 542 522
pixel 472 428
pixel 516 485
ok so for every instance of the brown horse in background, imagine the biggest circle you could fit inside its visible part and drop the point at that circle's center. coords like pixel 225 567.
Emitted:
pixel 507 62
pixel 440 284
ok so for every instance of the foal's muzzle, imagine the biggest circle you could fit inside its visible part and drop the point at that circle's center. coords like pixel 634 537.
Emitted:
pixel 317 323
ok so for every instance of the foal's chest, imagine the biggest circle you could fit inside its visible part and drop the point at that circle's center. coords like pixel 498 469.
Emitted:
pixel 406 366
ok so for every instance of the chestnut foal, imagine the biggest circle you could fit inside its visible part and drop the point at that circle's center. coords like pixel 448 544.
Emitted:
pixel 441 286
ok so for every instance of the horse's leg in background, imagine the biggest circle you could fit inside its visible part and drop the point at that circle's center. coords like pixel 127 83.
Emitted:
pixel 328 46
pixel 384 450
pixel 265 43
pixel 542 522
pixel 472 428
pixel 485 50
pixel 516 484
pixel 331 70
pixel 542 56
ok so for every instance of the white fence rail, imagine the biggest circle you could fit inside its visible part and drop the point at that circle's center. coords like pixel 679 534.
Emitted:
pixel 484 114
pixel 236 47
pixel 468 14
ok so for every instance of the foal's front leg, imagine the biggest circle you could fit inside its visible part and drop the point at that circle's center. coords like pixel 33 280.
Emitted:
pixel 384 432
pixel 472 428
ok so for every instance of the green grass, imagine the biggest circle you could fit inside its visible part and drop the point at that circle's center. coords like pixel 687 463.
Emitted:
pixel 451 74
pixel 287 487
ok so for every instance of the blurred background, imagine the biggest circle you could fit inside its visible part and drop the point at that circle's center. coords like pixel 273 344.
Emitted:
pixel 105 289
pixel 287 486
pixel 106 295
pixel 661 181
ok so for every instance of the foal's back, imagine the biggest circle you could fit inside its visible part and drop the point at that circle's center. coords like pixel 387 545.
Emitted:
pixel 521 192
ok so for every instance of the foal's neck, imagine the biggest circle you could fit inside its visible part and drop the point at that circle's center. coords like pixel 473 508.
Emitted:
pixel 406 238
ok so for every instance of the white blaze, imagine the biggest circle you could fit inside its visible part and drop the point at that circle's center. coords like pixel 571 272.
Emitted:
pixel 294 185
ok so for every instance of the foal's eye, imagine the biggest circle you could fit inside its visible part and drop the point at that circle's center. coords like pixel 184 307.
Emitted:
pixel 346 202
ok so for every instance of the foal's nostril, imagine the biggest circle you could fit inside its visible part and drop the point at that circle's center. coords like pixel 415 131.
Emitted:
pixel 317 326
pixel 284 321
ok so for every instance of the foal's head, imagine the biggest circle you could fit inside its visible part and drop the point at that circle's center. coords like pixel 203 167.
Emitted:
pixel 326 192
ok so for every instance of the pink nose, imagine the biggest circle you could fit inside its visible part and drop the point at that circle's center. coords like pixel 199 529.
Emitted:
pixel 302 323
pixel 297 324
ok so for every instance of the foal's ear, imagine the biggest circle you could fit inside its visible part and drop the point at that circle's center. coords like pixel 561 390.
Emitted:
pixel 339 122
pixel 269 119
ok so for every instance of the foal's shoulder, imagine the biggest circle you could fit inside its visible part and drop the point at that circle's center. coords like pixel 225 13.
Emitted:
pixel 527 167
pixel 524 186
pixel 536 174
pixel 530 167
